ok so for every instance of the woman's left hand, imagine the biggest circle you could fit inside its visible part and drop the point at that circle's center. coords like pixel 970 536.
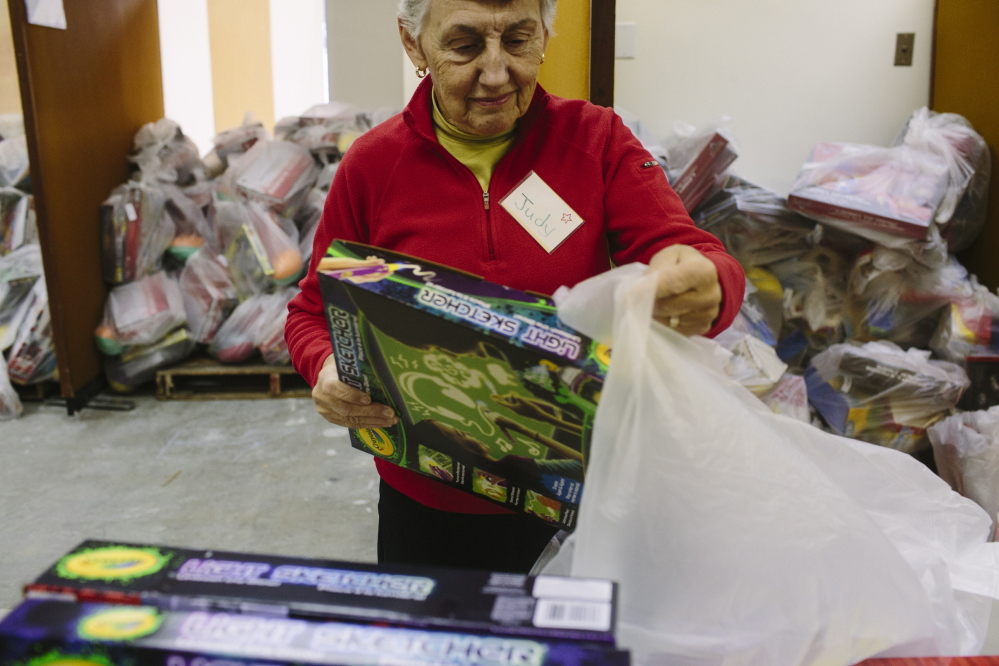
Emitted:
pixel 688 295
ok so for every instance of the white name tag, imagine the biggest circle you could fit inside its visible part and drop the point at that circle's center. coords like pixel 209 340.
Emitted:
pixel 541 212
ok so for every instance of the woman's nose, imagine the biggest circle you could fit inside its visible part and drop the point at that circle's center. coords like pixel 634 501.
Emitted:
pixel 495 66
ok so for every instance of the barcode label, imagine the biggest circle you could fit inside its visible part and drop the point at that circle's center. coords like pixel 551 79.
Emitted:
pixel 561 614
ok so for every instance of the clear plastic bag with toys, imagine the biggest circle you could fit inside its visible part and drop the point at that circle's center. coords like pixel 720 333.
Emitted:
pixel 879 393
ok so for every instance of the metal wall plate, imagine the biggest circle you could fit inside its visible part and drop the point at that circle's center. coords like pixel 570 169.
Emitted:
pixel 904 44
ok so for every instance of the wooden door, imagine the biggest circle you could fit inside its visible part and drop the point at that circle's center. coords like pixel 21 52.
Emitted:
pixel 85 92
pixel 580 58
pixel 966 81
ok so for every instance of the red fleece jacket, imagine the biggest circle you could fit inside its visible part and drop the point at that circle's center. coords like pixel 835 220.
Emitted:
pixel 399 189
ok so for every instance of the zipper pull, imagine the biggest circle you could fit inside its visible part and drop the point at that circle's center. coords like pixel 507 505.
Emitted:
pixel 485 200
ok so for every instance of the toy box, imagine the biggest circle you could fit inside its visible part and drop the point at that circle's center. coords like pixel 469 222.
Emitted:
pixel 893 190
pixel 462 600
pixel 495 395
pixel 43 633
pixel 703 170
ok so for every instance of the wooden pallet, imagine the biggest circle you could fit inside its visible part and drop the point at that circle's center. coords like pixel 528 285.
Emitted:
pixel 208 379
pixel 36 392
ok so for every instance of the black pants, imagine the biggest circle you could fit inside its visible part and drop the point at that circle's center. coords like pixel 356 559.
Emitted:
pixel 411 533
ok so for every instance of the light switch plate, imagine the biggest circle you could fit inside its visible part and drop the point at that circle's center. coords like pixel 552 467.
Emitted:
pixel 624 39
pixel 904 43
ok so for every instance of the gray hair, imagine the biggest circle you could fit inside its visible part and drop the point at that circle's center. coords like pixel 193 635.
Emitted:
pixel 413 13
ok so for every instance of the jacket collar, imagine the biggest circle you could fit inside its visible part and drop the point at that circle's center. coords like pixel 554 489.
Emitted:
pixel 419 117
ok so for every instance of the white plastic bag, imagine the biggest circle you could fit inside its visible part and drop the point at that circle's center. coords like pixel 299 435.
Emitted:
pixel 252 327
pixel 209 295
pixel 32 358
pixel 144 311
pixel 19 272
pixel 135 232
pixel 14 165
pixel 10 402
pixel 164 153
pixel 270 336
pixel 744 537
pixel 966 451
pixel 964 207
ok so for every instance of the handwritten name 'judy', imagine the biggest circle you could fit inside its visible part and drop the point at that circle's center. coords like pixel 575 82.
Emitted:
pixel 543 227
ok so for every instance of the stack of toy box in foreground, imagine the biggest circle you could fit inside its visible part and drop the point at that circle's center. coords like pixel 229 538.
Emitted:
pixel 110 604
pixel 495 395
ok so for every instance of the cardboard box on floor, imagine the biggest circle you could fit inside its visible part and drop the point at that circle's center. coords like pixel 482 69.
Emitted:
pixel 548 607
pixel 495 395
pixel 42 632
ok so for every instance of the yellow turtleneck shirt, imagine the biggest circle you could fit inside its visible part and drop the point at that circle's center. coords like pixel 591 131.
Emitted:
pixel 479 153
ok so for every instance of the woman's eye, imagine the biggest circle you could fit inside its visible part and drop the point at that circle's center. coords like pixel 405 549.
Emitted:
pixel 517 44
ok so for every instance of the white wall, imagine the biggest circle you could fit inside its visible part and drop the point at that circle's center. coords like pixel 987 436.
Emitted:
pixel 364 51
pixel 298 62
pixel 298 54
pixel 788 73
pixel 187 68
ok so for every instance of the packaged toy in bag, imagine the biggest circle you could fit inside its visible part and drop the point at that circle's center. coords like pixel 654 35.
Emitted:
pixel 882 394
pixel 699 159
pixel 209 295
pixel 144 311
pixel 135 232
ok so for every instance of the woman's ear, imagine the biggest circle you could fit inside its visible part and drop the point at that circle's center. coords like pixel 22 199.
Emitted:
pixel 413 48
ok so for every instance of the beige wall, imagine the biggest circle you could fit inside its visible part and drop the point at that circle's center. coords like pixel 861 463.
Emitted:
pixel 787 73
pixel 10 94
pixel 364 52
pixel 240 36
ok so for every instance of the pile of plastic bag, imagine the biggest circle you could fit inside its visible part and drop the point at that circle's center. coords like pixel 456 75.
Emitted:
pixel 27 351
pixel 926 195
pixel 202 255
pixel 857 317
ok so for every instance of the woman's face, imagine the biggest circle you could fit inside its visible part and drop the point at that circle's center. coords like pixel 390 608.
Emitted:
pixel 484 59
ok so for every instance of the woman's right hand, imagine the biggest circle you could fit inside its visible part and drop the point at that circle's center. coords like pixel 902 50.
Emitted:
pixel 345 405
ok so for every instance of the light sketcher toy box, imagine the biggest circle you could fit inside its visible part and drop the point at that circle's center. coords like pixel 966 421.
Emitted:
pixel 46 633
pixel 459 599
pixel 495 395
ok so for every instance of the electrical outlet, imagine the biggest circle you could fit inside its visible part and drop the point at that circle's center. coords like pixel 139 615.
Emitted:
pixel 904 43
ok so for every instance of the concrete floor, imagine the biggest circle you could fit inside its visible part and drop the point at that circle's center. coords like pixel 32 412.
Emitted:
pixel 267 476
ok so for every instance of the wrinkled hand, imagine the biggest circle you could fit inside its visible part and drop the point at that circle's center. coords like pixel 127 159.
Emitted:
pixel 688 295
pixel 345 405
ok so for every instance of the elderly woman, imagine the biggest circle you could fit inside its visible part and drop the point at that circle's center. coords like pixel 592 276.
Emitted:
pixel 449 180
